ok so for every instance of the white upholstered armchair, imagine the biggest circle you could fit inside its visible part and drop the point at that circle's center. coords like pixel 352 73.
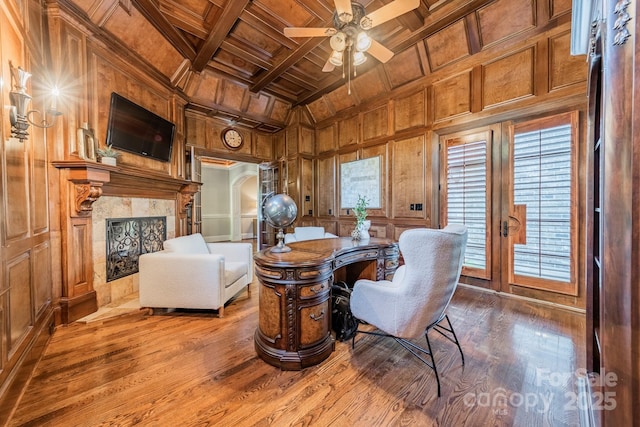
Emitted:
pixel 415 301
pixel 190 273
pixel 307 233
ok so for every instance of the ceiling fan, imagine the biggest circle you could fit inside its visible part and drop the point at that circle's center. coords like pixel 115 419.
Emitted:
pixel 349 32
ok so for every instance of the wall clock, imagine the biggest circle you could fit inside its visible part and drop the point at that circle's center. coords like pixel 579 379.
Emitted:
pixel 232 138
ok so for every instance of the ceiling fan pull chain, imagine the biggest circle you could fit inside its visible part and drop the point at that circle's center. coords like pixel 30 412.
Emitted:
pixel 349 61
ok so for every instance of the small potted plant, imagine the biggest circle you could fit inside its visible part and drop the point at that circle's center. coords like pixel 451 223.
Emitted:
pixel 361 232
pixel 108 155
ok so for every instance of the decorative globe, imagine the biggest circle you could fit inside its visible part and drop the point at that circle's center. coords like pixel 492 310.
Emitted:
pixel 280 210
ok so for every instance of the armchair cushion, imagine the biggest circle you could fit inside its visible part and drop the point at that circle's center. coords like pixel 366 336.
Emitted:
pixel 191 244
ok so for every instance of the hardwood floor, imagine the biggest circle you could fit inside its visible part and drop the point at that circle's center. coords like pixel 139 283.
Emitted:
pixel 192 368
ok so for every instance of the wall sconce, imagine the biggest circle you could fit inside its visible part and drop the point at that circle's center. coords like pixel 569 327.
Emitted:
pixel 19 117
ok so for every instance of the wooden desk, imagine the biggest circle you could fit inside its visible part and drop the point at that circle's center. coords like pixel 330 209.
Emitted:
pixel 294 329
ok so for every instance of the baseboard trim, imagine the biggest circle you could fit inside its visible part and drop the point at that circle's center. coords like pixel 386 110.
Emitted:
pixel 523 298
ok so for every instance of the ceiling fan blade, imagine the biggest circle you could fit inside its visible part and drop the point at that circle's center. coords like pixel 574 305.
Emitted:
pixel 309 32
pixel 388 12
pixel 343 9
pixel 380 52
pixel 328 67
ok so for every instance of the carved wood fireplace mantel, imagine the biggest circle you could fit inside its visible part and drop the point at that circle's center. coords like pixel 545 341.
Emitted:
pixel 81 184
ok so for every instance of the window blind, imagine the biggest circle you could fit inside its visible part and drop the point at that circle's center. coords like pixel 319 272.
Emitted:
pixel 542 181
pixel 467 197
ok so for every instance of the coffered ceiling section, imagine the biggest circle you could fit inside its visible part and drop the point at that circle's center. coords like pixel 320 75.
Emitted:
pixel 232 59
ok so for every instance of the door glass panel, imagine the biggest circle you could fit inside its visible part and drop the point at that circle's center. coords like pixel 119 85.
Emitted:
pixel 467 197
pixel 542 181
pixel 543 203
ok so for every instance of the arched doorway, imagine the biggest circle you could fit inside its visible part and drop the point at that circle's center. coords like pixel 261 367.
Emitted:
pixel 244 203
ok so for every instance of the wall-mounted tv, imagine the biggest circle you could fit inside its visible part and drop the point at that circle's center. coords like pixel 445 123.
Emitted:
pixel 137 130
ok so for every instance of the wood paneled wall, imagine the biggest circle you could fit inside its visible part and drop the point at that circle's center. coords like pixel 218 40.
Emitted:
pixel 26 247
pixel 524 70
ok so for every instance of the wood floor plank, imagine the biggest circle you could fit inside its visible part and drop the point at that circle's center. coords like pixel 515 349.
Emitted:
pixel 193 368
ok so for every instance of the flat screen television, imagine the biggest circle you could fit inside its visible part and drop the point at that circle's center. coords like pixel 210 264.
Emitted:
pixel 137 130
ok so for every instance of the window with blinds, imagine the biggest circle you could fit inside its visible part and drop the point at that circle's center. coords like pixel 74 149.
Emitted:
pixel 542 170
pixel 467 199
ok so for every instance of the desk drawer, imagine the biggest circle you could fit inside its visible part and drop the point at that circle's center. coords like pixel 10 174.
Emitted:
pixel 315 290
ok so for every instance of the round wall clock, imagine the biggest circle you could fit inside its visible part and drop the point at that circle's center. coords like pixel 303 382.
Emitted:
pixel 232 138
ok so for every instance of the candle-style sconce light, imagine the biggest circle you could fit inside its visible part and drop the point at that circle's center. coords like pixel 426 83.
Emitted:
pixel 19 116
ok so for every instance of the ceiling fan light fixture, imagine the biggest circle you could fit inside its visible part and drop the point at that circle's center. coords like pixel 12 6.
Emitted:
pixel 338 41
pixel 336 58
pixel 366 23
pixel 345 17
pixel 359 58
pixel 363 42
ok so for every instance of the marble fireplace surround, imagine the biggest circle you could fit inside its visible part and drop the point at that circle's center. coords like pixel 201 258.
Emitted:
pixel 113 207
pixel 90 193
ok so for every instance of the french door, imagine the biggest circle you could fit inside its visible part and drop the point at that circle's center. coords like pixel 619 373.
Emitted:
pixel 515 188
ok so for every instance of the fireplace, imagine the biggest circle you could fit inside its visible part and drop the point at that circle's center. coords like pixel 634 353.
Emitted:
pixel 119 209
pixel 127 239
pixel 91 193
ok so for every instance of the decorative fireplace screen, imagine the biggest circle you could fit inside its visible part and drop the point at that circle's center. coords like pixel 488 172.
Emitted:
pixel 128 238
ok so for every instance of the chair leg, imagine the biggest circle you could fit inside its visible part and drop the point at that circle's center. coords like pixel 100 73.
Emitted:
pixel 454 340
pixel 433 361
pixel 249 290
pixel 411 348
pixel 221 311
pixel 414 349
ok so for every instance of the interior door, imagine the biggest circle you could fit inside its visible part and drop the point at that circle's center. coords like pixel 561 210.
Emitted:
pixel 268 176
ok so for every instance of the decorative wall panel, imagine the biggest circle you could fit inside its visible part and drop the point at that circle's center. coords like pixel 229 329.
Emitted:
pixel 326 186
pixel 452 96
pixel 404 67
pixel 447 45
pixel 375 123
pixel 41 276
pixel 20 298
pixel 505 18
pixel 348 131
pixel 325 139
pixel 408 177
pixel 564 69
pixel 508 78
pixel 410 111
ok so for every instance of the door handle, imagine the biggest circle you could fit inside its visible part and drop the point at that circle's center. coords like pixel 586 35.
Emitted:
pixel 505 228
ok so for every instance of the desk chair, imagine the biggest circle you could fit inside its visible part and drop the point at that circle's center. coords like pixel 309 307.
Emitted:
pixel 414 302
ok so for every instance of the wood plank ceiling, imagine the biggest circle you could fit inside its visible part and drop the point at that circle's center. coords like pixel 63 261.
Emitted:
pixel 232 59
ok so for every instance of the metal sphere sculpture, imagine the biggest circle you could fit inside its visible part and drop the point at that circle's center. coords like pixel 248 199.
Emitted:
pixel 280 211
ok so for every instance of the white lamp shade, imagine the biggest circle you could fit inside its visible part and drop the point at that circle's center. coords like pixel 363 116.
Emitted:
pixel 336 58
pixel 338 42
pixel 359 58
pixel 363 42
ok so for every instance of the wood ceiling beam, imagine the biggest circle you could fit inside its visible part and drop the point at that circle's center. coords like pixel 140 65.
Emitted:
pixel 223 27
pixel 150 11
pixel 269 76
